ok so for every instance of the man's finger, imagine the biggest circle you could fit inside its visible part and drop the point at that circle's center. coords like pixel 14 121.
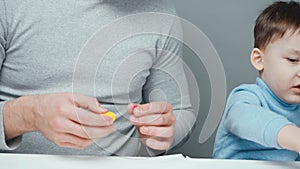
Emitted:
pixel 88 102
pixel 152 108
pixel 158 144
pixel 153 120
pixel 72 141
pixel 88 132
pixel 85 117
pixel 131 107
pixel 153 131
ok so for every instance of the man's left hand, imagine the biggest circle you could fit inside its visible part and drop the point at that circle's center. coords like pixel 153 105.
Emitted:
pixel 155 122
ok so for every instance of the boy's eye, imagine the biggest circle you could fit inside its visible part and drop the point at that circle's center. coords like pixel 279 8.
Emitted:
pixel 293 60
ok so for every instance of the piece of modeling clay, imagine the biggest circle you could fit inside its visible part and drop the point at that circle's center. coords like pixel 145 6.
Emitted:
pixel 110 114
pixel 134 106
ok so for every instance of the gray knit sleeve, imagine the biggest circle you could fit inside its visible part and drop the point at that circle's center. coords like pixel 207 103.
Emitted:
pixel 11 144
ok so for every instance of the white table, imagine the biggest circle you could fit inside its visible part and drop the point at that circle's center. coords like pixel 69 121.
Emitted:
pixel 26 161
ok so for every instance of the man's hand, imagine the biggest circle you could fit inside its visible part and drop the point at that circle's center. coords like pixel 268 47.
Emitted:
pixel 155 123
pixel 69 120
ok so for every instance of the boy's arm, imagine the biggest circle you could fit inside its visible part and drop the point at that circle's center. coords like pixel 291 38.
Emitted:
pixel 247 119
pixel 289 138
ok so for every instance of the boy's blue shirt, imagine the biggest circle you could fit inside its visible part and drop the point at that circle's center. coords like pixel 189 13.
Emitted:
pixel 252 118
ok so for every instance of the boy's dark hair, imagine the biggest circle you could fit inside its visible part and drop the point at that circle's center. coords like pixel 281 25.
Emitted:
pixel 275 21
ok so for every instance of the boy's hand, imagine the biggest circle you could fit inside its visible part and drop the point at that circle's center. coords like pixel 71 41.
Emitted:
pixel 289 138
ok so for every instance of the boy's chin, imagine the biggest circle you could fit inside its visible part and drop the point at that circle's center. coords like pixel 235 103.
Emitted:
pixel 293 100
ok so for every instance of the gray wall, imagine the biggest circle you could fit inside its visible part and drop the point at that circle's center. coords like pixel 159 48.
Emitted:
pixel 229 25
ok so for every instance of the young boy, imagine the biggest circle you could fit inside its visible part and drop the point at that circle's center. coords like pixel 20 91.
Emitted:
pixel 262 121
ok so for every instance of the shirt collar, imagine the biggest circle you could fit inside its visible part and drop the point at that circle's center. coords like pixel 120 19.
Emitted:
pixel 272 95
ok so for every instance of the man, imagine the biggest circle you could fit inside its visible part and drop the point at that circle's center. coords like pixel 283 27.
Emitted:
pixel 48 103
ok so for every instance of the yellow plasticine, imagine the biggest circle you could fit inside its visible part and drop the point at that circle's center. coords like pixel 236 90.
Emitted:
pixel 110 114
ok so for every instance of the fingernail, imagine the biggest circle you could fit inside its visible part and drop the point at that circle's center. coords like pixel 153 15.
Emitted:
pixel 151 143
pixel 109 122
pixel 145 130
pixel 103 109
pixel 137 111
pixel 133 119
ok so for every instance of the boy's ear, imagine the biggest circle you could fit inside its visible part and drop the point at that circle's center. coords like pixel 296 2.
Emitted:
pixel 257 59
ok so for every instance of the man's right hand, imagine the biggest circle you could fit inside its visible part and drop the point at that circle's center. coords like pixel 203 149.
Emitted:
pixel 69 120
